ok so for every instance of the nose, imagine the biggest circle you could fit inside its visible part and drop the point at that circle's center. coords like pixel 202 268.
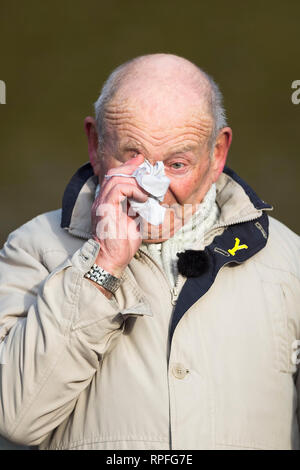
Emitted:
pixel 153 160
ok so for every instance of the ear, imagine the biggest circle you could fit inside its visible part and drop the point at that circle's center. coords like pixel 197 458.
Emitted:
pixel 93 142
pixel 221 149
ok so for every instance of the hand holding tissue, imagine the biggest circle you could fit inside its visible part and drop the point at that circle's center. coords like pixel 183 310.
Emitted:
pixel 152 179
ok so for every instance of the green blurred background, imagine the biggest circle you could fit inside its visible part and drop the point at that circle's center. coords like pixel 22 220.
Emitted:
pixel 55 56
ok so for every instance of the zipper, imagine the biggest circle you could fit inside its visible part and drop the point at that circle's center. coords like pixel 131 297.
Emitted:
pixel 174 290
pixel 233 222
pixel 237 221
pixel 174 295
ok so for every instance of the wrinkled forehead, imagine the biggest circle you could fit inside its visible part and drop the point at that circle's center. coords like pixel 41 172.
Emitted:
pixel 159 114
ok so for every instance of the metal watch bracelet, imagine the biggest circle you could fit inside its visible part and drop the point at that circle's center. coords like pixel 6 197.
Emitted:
pixel 103 278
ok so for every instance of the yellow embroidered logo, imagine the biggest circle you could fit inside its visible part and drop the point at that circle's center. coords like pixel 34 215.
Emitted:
pixel 237 247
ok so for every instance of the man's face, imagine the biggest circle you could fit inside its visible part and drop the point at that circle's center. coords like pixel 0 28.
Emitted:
pixel 172 129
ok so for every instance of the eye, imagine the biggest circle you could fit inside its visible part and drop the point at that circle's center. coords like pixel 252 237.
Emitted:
pixel 131 150
pixel 177 165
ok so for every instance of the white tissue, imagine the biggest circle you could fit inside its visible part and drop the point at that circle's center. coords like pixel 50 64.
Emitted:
pixel 152 179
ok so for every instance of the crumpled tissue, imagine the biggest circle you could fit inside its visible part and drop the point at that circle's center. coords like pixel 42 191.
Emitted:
pixel 152 179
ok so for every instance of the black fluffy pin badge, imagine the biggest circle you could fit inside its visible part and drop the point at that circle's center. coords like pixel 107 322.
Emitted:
pixel 193 263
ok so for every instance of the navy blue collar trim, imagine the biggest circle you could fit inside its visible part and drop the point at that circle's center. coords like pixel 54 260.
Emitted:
pixel 71 192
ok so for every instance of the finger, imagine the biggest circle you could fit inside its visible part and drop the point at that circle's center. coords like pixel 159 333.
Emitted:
pixel 122 191
pixel 128 167
pixel 116 181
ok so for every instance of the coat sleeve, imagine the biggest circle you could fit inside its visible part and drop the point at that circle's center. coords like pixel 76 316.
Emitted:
pixel 54 328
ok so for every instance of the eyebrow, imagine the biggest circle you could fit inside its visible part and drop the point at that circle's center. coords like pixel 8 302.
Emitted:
pixel 129 144
pixel 134 144
pixel 183 148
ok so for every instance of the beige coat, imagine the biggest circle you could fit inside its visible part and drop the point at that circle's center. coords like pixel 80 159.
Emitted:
pixel 83 372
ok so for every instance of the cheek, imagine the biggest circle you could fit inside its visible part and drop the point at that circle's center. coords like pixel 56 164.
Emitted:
pixel 105 165
pixel 186 186
pixel 183 188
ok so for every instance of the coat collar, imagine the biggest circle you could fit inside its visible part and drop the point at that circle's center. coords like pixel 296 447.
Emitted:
pixel 77 202
pixel 236 199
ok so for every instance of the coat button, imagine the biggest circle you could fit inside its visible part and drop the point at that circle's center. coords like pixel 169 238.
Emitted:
pixel 179 371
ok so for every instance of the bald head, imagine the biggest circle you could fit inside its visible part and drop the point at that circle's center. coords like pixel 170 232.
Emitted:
pixel 158 81
pixel 155 71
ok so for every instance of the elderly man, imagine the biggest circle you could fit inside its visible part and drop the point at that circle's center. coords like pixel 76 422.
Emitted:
pixel 118 334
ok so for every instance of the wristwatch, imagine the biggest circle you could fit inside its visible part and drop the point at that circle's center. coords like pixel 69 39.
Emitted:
pixel 103 278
